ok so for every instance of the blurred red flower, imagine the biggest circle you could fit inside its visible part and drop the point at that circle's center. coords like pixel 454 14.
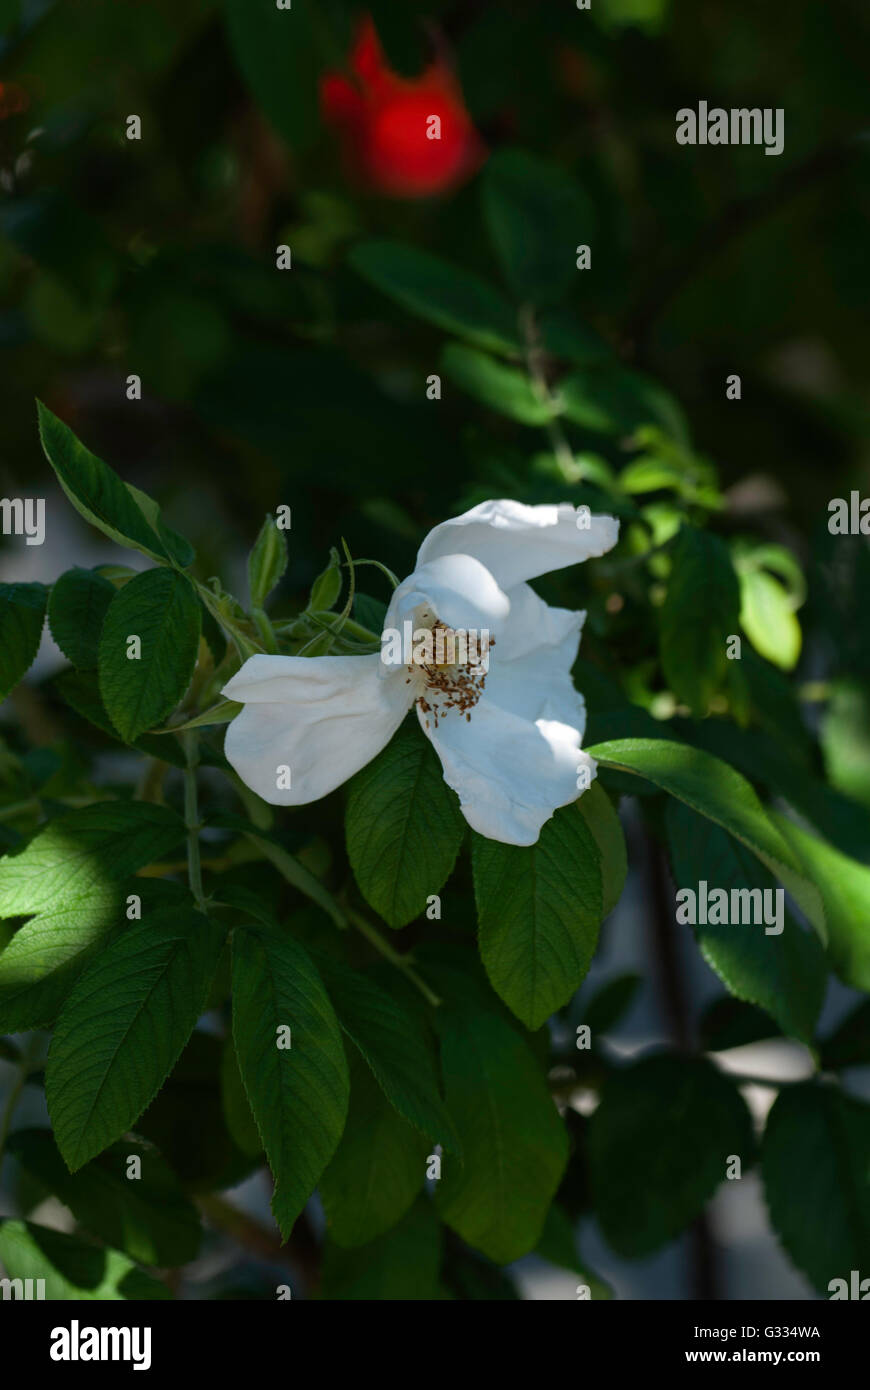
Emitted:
pixel 389 139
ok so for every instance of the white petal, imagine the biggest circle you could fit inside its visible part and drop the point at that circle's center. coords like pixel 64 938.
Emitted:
pixel 516 542
pixel 510 774
pixel 530 667
pixel 458 588
pixel 534 625
pixel 324 717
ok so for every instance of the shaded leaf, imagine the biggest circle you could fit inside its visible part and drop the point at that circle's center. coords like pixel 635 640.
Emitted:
pixel 160 608
pixel 22 614
pixel 124 1025
pixel 659 1144
pixel 514 1144
pixel 539 909
pixel 403 826
pixel 298 1094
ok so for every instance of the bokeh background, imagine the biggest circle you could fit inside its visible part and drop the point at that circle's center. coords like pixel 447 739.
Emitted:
pixel 157 257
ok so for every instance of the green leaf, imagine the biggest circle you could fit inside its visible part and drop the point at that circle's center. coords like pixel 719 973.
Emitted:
pixel 402 1264
pixel 718 792
pixel 845 737
pixel 299 1094
pixel 514 1144
pixel 729 1022
pixel 45 957
pixel 78 853
pixel 267 561
pixel 598 811
pixel 81 691
pixel 124 1025
pixel 647 15
pixel 779 767
pixel 296 873
pixel 507 390
pixel 78 605
pixel 845 888
pixel 538 910
pixel 610 399
pixel 401 33
pixel 403 827
pixel 445 294
pixel 221 713
pixel 393 1044
pixel 700 612
pixel 378 1168
pixel 776 707
pixel 327 586
pixel 73 1270
pixel 566 335
pixel 187 1121
pixel 146 1217
pixel 607 1007
pixel 22 613
pixel 237 1110
pixel 177 547
pixel 783 973
pixel 537 216
pixel 279 57
pixel 160 608
pixel 659 1144
pixel 95 490
pixel 768 618
pixel 817 1180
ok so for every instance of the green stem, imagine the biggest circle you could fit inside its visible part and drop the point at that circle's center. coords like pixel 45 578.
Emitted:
pixel 534 361
pixel 25 1067
pixel 620 566
pixel 243 644
pixel 298 876
pixel 191 819
pixel 403 963
pixel 265 629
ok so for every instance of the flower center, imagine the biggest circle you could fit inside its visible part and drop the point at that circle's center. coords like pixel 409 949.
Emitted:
pixel 452 666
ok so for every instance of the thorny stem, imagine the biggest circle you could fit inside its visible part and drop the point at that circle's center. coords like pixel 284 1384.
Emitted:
pixel 191 819
pixel 535 363
pixel 25 1066
pixel 403 963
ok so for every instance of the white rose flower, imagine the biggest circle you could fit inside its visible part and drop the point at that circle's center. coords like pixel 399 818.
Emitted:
pixel 506 722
